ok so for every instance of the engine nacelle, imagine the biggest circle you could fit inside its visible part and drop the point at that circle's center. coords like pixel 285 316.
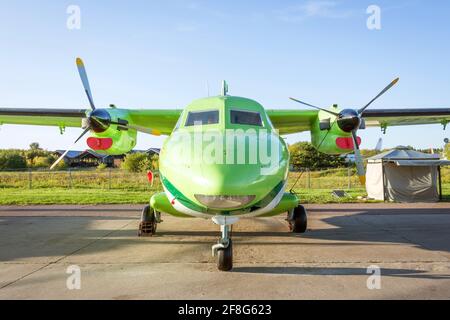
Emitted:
pixel 331 139
pixel 113 141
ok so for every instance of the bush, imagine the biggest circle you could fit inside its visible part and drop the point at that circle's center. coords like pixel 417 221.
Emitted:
pixel 304 155
pixel 12 159
pixel 42 162
pixel 102 166
pixel 137 162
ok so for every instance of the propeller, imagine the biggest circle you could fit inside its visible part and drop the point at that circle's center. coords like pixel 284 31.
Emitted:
pixel 68 150
pixel 99 120
pixel 349 120
pixel 85 81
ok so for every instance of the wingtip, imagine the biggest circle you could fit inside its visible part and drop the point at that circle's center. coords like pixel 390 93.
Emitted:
pixel 80 62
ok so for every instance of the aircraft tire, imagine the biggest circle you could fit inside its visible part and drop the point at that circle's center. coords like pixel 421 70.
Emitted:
pixel 225 258
pixel 299 224
pixel 148 225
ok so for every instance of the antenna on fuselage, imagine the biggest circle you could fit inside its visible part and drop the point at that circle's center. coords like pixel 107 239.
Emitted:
pixel 224 88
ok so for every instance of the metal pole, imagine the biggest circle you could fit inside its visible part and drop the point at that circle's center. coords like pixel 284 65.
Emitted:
pixel 349 178
pixel 30 179
pixel 309 178
pixel 109 178
pixel 440 183
pixel 70 179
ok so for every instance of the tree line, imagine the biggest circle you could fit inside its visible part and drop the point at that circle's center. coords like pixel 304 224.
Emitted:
pixel 34 157
pixel 303 155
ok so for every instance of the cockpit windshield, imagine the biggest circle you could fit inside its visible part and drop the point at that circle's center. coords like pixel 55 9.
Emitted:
pixel 250 118
pixel 202 118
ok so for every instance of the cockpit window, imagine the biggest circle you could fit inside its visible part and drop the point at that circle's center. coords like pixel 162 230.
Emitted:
pixel 246 117
pixel 177 126
pixel 202 118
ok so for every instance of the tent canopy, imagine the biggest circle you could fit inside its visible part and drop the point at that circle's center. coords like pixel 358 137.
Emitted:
pixel 403 153
pixel 404 175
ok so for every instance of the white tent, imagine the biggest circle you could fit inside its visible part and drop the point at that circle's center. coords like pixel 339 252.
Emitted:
pixel 404 175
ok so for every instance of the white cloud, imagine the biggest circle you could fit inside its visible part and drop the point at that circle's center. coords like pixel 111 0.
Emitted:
pixel 313 9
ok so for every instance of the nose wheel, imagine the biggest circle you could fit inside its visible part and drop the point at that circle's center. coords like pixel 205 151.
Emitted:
pixel 224 250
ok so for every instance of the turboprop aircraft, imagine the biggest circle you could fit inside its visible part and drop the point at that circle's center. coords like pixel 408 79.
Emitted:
pixel 224 157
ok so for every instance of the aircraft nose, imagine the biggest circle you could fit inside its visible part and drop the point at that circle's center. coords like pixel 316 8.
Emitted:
pixel 230 186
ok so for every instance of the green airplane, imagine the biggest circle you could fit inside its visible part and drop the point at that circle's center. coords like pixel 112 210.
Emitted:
pixel 224 157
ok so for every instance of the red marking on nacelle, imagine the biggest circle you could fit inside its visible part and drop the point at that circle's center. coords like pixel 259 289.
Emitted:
pixel 99 143
pixel 346 143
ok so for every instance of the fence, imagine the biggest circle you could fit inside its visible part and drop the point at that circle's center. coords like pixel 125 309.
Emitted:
pixel 77 179
pixel 343 178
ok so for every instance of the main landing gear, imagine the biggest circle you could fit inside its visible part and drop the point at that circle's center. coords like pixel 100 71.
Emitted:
pixel 149 222
pixel 298 220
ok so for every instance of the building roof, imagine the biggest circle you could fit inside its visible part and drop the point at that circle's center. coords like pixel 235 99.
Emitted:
pixel 154 150
pixel 80 154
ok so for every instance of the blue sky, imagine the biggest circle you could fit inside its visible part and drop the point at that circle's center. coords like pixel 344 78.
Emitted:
pixel 161 54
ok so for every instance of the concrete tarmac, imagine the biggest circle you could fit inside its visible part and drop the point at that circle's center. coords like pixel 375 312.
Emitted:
pixel 409 243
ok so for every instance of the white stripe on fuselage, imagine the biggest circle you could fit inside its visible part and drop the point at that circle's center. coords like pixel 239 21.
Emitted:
pixel 185 210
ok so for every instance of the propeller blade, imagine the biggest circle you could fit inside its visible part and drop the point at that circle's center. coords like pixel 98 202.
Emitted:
pixel 59 160
pixel 85 80
pixel 358 159
pixel 68 150
pixel 83 134
pixel 393 83
pixel 310 105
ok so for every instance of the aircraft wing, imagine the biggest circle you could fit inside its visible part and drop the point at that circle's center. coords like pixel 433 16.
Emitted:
pixel 295 121
pixel 292 121
pixel 403 117
pixel 43 117
pixel 163 120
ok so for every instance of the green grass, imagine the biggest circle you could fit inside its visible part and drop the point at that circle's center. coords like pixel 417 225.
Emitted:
pixel 119 187
pixel 75 196
pixel 13 196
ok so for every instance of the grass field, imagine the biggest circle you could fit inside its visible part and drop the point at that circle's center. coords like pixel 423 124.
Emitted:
pixel 120 187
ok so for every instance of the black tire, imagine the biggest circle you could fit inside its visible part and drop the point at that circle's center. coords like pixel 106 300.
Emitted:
pixel 225 258
pixel 299 223
pixel 148 225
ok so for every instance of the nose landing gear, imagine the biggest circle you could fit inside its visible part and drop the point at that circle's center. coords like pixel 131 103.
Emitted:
pixel 224 250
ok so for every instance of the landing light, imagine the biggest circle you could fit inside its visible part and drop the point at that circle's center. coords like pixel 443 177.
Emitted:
pixel 224 202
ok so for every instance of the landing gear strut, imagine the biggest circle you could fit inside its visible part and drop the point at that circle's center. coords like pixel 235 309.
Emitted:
pixel 298 220
pixel 149 222
pixel 224 250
